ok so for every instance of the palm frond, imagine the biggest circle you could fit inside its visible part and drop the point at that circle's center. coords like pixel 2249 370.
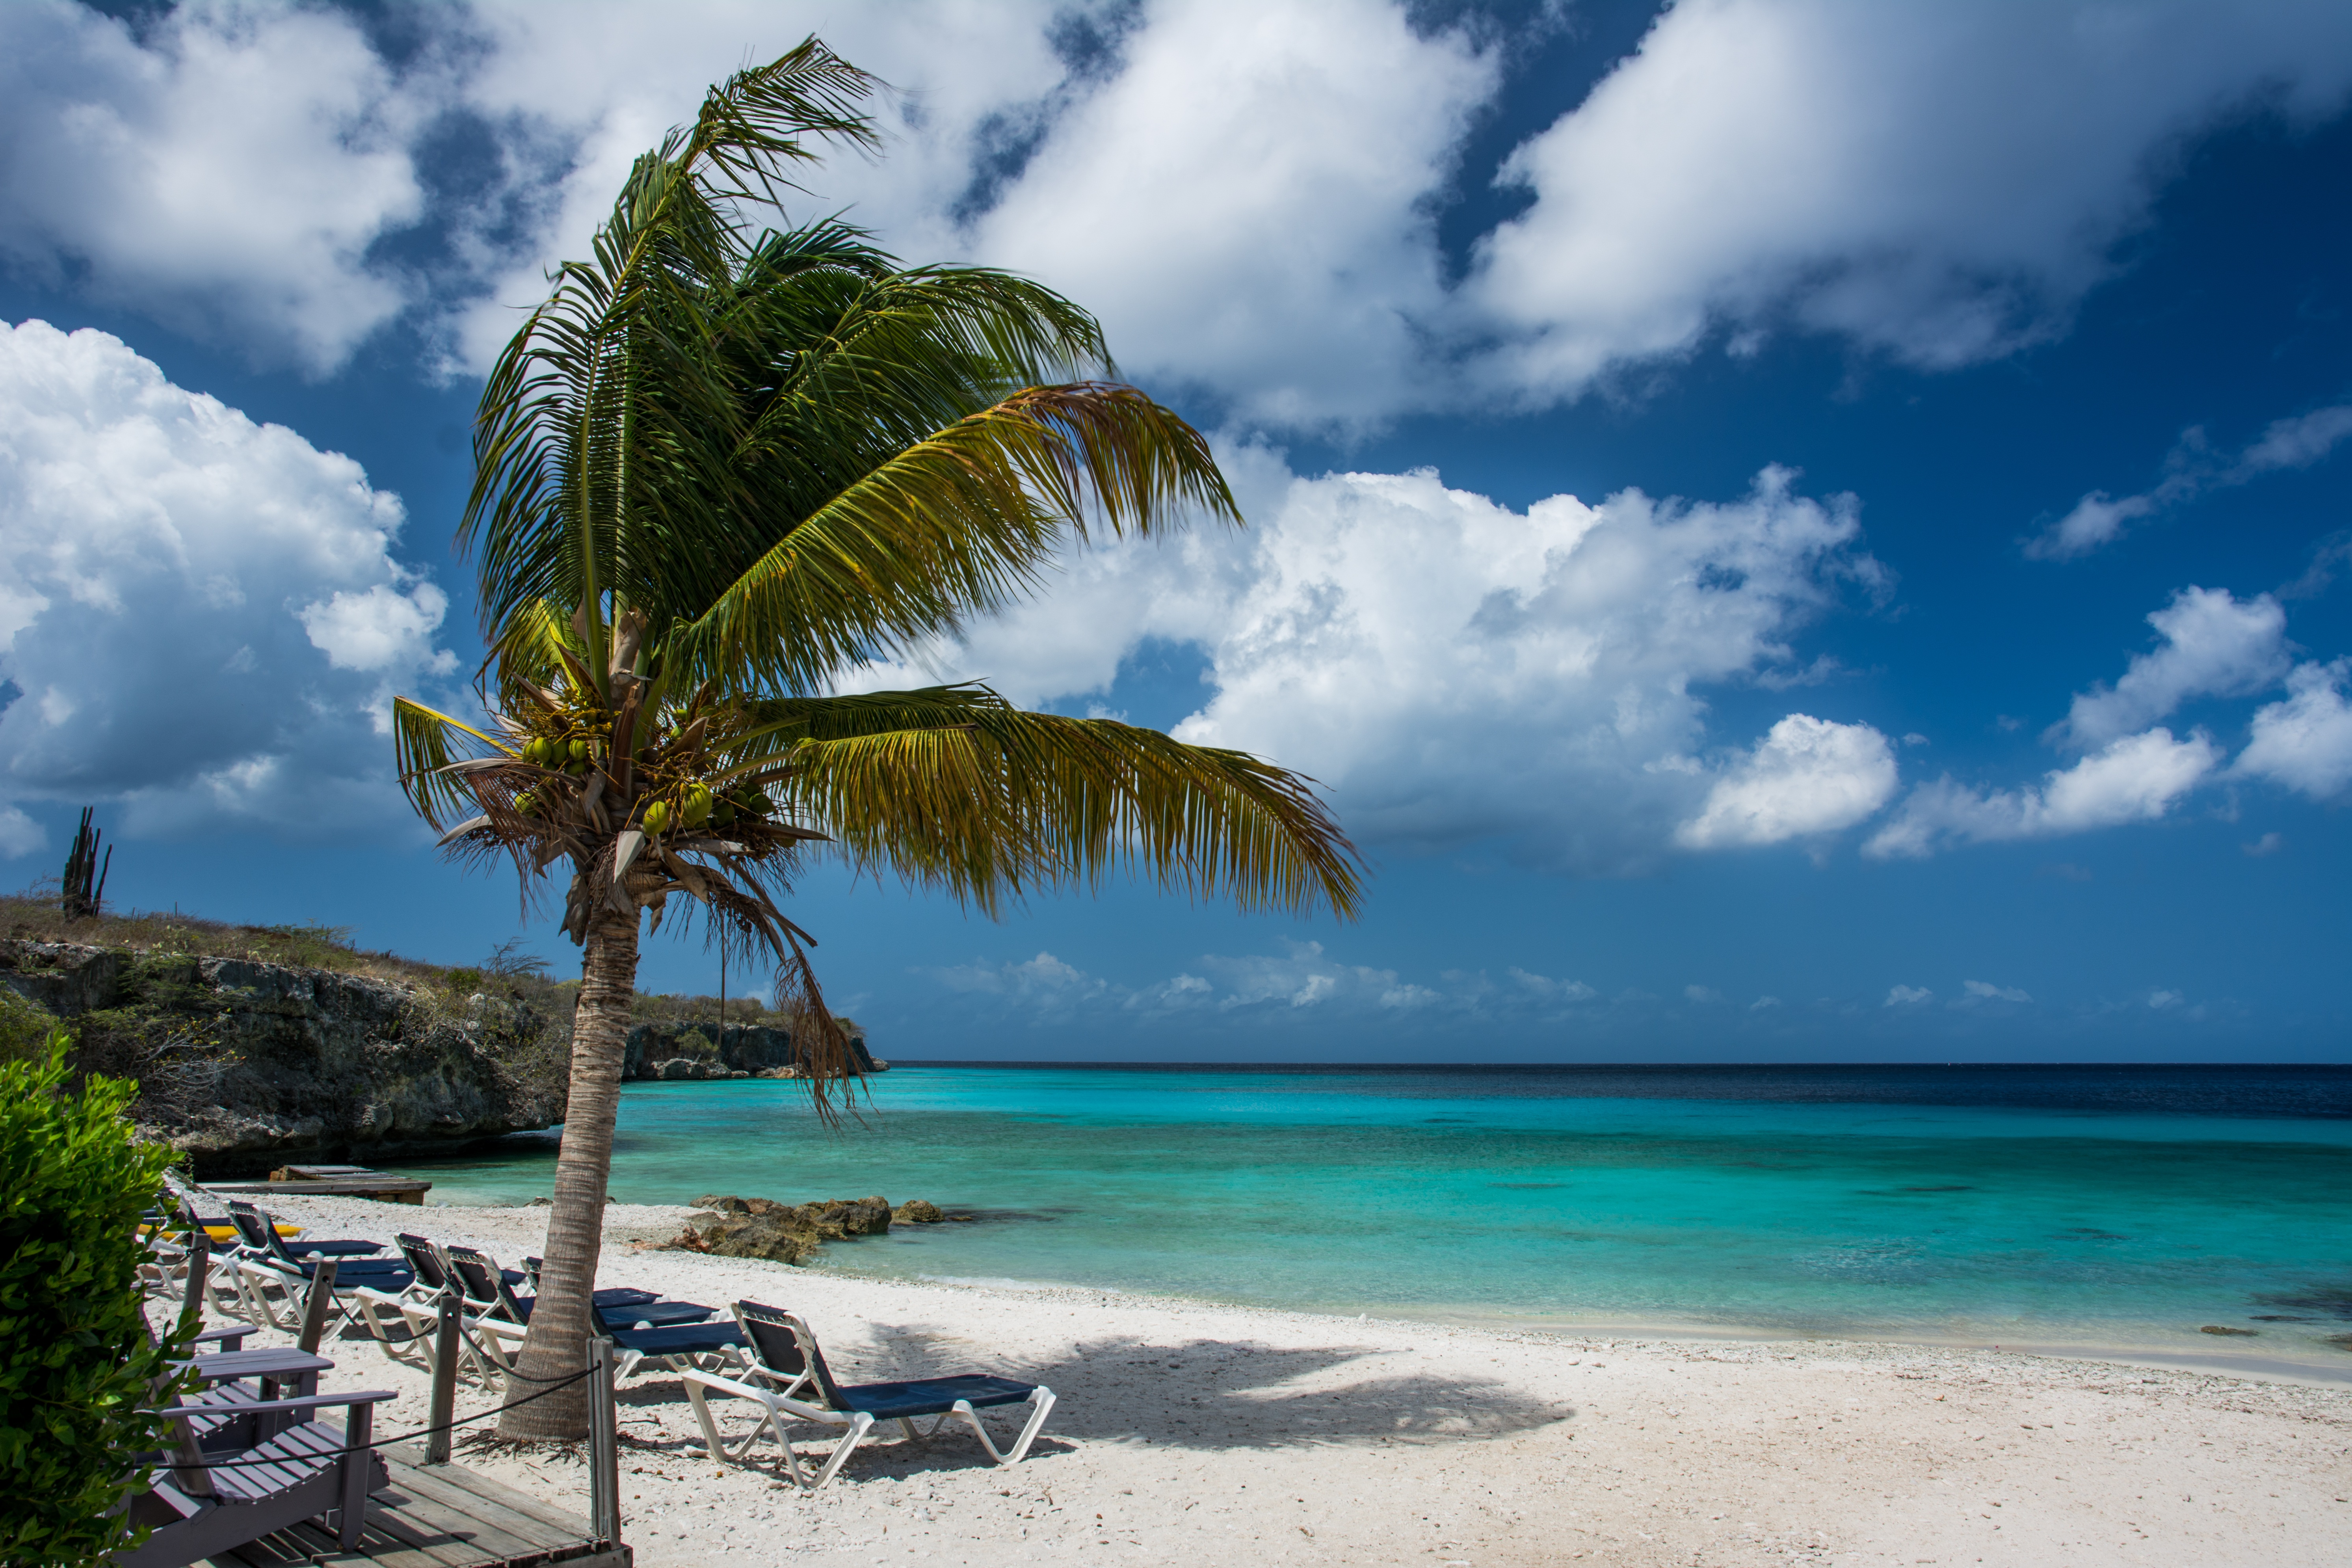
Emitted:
pixel 999 802
pixel 426 743
pixel 958 524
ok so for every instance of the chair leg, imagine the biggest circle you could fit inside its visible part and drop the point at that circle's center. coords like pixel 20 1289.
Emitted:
pixel 358 1427
pixel 718 1447
pixel 860 1425
pixel 1041 1404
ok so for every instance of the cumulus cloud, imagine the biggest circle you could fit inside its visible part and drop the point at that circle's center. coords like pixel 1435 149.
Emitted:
pixel 227 168
pixel 2304 742
pixel 201 615
pixel 1453 670
pixel 1808 776
pixel 1260 226
pixel 2193 468
pixel 1883 173
pixel 1907 996
pixel 2214 645
pixel 1243 188
pixel 2138 778
pixel 1985 991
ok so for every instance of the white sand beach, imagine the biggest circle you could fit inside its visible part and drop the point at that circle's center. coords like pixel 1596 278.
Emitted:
pixel 1201 1434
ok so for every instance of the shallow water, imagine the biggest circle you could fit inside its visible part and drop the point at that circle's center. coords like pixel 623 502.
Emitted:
pixel 2080 1205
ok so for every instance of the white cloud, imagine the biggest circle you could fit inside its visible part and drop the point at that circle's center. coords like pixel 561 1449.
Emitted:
pixel 1247 203
pixel 2214 645
pixel 1906 995
pixel 2269 844
pixel 1455 670
pixel 176 580
pixel 2100 519
pixel 20 834
pixel 1808 776
pixel 1985 991
pixel 225 169
pixel 2304 742
pixel 1242 189
pixel 1548 989
pixel 2163 999
pixel 2136 779
pixel 1885 172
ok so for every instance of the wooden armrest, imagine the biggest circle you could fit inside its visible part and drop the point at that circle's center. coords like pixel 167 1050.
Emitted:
pixel 271 1407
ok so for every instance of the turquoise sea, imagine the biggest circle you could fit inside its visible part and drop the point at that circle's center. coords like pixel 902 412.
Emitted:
pixel 2088 1207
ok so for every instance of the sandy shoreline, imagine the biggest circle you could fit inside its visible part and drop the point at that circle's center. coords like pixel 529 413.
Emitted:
pixel 1219 1434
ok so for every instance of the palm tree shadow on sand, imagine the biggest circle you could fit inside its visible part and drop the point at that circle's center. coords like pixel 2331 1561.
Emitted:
pixel 1202 1394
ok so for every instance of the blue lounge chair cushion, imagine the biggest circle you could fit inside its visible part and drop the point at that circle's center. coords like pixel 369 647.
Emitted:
pixel 391 1278
pixel 931 1395
pixel 685 1339
pixel 625 1309
pixel 661 1314
pixel 335 1249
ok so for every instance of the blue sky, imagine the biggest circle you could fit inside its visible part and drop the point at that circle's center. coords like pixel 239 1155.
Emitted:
pixel 1790 528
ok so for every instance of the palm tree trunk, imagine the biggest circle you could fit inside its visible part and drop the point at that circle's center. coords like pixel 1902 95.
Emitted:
pixel 557 1345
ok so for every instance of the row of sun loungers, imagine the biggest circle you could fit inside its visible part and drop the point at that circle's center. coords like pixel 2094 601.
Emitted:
pixel 264 1405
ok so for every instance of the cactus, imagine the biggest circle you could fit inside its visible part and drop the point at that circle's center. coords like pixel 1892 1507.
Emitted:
pixel 83 897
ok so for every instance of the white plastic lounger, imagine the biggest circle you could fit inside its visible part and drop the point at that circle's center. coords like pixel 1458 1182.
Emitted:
pixel 794 1384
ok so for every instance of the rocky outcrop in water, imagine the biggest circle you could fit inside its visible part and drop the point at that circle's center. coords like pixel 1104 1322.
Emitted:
pixel 245 1065
pixel 741 1051
pixel 787 1233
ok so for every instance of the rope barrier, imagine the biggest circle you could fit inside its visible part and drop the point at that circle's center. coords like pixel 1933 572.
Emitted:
pixel 231 1411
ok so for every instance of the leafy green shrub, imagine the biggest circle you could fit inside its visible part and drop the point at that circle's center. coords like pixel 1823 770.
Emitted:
pixel 24 1028
pixel 464 979
pixel 76 1366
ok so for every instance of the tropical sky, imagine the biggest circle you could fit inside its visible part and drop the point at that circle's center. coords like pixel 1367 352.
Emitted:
pixel 1800 529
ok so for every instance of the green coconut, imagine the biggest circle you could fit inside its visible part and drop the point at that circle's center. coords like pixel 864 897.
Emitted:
pixel 579 750
pixel 696 806
pixel 656 817
pixel 526 803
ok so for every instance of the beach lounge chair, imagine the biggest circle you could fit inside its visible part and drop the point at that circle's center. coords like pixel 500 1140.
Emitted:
pixel 306 1470
pixel 794 1384
pixel 677 1335
pixel 262 1242
pixel 681 1348
pixel 260 1232
pixel 424 1258
pixel 488 1291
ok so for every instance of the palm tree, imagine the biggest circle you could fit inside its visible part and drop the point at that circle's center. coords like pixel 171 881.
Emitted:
pixel 719 471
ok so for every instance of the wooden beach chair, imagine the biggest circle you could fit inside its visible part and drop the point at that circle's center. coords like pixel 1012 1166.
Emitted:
pixel 794 1384
pixel 210 1502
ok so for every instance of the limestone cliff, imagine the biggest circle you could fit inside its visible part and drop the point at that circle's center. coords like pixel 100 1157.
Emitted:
pixel 247 1064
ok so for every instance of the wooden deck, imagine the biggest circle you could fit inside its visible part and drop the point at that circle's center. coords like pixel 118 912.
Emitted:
pixel 442 1516
pixel 331 1181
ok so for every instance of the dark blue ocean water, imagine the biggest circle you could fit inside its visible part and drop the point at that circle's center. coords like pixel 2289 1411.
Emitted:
pixel 2058 1204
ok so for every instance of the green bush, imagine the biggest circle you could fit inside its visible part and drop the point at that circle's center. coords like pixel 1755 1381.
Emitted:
pixel 24 1028
pixel 76 1366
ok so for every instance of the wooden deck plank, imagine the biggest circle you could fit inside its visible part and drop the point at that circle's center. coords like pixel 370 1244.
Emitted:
pixel 492 1491
pixel 439 1517
pixel 449 1493
pixel 491 1540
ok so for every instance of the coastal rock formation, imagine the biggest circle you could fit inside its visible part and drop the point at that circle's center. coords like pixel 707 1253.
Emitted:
pixel 243 1065
pixel 787 1233
pixel 921 1211
pixel 744 1050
